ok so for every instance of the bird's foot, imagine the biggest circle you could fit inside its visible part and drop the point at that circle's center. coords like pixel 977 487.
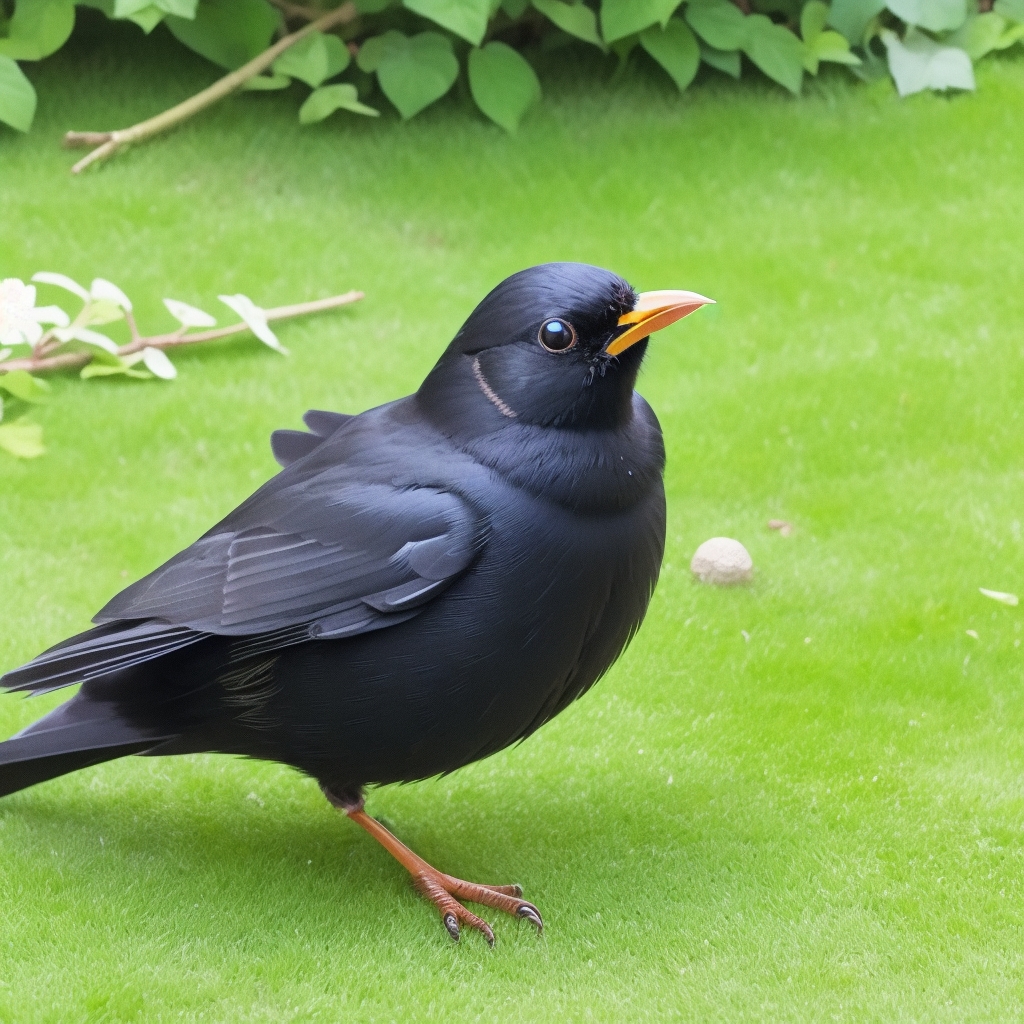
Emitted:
pixel 446 892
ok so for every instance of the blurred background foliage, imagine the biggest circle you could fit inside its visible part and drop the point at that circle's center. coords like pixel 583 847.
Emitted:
pixel 409 54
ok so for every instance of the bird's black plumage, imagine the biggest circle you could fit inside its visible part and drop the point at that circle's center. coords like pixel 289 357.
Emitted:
pixel 420 586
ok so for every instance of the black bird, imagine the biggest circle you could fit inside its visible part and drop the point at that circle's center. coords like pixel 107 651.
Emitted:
pixel 420 586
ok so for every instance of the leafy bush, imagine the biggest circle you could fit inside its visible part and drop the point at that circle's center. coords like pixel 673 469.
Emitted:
pixel 412 52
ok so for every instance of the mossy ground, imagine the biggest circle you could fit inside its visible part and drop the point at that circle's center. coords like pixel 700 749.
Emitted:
pixel 824 821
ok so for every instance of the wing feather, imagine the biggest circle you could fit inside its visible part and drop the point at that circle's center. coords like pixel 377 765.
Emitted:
pixel 329 554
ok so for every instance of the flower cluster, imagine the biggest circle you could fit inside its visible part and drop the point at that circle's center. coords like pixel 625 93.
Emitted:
pixel 20 319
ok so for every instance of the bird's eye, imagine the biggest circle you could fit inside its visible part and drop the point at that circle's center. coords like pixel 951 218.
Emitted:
pixel 557 335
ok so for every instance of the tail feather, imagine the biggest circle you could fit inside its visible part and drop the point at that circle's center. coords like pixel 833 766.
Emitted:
pixel 99 652
pixel 79 733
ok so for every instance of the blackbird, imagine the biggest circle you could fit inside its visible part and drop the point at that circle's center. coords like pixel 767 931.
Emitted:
pixel 420 586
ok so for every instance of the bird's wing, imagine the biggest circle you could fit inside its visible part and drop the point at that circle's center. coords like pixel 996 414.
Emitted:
pixel 325 556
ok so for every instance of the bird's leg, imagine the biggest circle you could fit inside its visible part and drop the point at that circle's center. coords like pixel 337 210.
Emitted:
pixel 444 891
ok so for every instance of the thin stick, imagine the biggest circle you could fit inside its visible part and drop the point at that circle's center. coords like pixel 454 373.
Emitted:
pixel 108 142
pixel 69 360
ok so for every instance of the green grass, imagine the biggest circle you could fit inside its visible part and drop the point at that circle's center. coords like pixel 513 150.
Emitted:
pixel 825 822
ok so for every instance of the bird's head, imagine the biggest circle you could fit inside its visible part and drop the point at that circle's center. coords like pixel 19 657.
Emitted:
pixel 557 345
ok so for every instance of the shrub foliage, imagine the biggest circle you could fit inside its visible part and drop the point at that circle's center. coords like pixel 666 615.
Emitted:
pixel 411 52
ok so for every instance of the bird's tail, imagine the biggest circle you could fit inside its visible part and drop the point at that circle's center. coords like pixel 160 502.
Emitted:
pixel 82 732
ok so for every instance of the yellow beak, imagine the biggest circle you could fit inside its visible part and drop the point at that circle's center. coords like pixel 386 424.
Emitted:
pixel 652 312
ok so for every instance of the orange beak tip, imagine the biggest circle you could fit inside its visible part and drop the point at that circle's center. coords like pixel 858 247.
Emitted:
pixel 652 312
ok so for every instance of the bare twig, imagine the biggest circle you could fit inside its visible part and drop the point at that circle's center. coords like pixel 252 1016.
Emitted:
pixel 107 143
pixel 69 360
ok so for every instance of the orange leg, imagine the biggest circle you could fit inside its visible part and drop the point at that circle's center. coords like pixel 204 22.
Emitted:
pixel 443 890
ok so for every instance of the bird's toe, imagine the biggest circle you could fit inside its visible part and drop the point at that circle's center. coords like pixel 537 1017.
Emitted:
pixel 531 914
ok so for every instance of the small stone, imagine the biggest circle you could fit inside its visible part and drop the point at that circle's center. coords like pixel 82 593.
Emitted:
pixel 784 528
pixel 722 560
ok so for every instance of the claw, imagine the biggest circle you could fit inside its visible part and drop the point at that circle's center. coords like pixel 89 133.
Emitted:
pixel 530 912
pixel 453 927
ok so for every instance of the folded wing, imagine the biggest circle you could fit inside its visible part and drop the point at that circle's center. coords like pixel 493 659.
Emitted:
pixel 320 557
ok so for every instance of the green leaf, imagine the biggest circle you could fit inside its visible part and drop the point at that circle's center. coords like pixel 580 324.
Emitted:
pixel 466 18
pixel 98 369
pixel 813 18
pixel 675 49
pixel 23 385
pixel 1012 35
pixel 726 61
pixel 413 71
pixel 621 18
pixel 130 8
pixel 375 50
pixel 918 63
pixel 228 32
pixel 719 23
pixel 266 83
pixel 851 17
pixel 776 51
pixel 126 8
pixel 22 440
pixel 148 18
pixel 106 365
pixel 1012 10
pixel 502 83
pixel 514 8
pixel 934 15
pixel 182 8
pixel 314 59
pixel 820 44
pixel 326 100
pixel 979 34
pixel 17 97
pixel 38 28
pixel 101 311
pixel 100 356
pixel 575 18
pixel 828 46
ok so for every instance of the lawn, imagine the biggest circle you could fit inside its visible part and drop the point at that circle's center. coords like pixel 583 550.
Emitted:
pixel 800 800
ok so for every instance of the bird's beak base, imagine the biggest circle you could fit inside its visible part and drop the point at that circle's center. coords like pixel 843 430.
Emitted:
pixel 652 312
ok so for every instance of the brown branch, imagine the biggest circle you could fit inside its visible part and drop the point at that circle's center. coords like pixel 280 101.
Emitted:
pixel 108 142
pixel 68 360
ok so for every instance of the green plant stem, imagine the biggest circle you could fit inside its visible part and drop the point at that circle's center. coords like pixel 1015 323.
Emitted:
pixel 70 360
pixel 107 143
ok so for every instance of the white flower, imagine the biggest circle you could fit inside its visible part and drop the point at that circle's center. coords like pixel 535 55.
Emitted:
pixel 19 318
